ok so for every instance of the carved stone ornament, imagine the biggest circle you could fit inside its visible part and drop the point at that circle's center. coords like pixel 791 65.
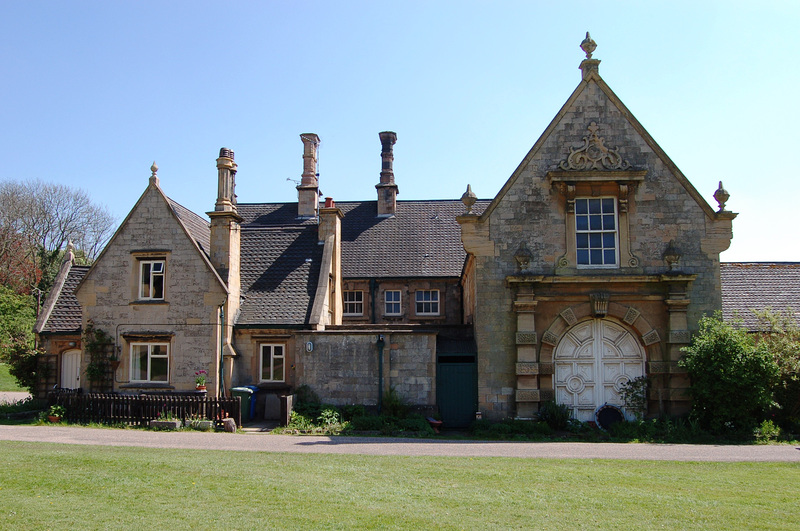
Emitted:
pixel 594 155
pixel 569 316
pixel 550 338
pixel 523 257
pixel 469 198
pixel 721 196
pixel 526 338
pixel 631 315
pixel 599 304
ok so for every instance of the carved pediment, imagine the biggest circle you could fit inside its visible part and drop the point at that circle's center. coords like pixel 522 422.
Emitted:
pixel 594 155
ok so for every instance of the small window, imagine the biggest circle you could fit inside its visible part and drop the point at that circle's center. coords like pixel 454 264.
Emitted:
pixel 596 231
pixel 353 303
pixel 151 279
pixel 392 301
pixel 273 363
pixel 427 302
pixel 150 362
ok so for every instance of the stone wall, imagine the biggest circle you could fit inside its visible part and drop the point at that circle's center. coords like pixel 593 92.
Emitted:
pixel 342 368
pixel 187 318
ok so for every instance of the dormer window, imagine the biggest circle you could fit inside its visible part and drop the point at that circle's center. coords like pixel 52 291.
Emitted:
pixel 151 279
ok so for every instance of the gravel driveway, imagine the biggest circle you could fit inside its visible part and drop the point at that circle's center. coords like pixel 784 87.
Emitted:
pixel 261 442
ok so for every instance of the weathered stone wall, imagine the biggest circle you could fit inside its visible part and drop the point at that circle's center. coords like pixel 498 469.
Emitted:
pixel 532 213
pixel 188 315
pixel 343 366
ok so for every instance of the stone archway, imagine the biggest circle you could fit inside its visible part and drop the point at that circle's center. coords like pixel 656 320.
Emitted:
pixel 593 359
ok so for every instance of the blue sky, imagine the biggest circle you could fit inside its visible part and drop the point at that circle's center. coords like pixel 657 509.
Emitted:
pixel 94 92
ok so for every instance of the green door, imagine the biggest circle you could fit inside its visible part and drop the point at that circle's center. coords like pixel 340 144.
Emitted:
pixel 457 390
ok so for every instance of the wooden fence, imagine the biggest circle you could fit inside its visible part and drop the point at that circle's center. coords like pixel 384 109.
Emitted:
pixel 139 410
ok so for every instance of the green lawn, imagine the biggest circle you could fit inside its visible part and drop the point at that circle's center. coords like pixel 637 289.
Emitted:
pixel 50 486
pixel 8 382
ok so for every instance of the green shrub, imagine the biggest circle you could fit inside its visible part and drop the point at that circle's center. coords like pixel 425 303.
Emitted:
pixel 634 395
pixel 392 405
pixel 781 337
pixel 767 432
pixel 557 416
pixel 353 411
pixel 367 423
pixel 732 377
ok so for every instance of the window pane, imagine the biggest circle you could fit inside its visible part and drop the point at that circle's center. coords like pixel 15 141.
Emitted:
pixel 583 256
pixel 581 206
pixel 595 223
pixel 610 256
pixel 595 240
pixel 594 206
pixel 145 292
pixel 583 240
pixel 159 369
pixel 582 222
pixel 596 256
pixel 608 205
pixel 277 369
pixel 608 222
pixel 609 240
pixel 139 362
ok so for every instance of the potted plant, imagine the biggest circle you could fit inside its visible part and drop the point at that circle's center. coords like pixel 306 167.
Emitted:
pixel 55 413
pixel 200 379
pixel 165 421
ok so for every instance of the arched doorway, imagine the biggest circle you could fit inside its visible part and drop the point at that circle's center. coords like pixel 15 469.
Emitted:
pixel 593 360
pixel 71 369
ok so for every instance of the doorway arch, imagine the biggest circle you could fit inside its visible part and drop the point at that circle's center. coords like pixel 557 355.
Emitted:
pixel 593 359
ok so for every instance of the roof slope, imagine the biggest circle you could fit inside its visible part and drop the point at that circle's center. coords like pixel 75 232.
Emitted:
pixel 66 314
pixel 757 286
pixel 279 271
pixel 198 228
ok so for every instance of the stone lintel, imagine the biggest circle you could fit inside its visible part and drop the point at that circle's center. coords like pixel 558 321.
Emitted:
pixel 596 176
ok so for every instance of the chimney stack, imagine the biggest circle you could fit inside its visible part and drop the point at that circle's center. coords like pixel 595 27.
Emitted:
pixel 308 191
pixel 226 182
pixel 387 190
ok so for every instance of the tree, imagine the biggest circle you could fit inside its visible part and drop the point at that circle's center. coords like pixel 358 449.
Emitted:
pixel 17 317
pixel 732 376
pixel 780 335
pixel 37 220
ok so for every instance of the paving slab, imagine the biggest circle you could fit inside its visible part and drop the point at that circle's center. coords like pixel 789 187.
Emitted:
pixel 264 442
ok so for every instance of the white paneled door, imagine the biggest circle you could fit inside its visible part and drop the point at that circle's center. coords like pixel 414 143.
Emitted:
pixel 71 369
pixel 592 362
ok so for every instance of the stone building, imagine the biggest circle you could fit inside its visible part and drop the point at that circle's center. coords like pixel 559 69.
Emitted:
pixel 589 268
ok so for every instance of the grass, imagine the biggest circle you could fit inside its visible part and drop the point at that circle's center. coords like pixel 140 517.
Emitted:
pixel 8 382
pixel 50 486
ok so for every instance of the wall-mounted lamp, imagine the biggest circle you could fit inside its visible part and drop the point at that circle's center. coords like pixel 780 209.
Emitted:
pixel 72 344
pixel 380 338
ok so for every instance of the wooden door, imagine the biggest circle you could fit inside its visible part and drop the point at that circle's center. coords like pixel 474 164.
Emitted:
pixel 71 369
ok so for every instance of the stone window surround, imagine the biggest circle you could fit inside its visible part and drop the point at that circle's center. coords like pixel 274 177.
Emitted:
pixel 594 184
pixel 356 302
pixel 272 358
pixel 149 255
pixel 589 231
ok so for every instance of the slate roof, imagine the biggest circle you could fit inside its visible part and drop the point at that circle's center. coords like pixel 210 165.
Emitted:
pixel 199 229
pixel 751 286
pixel 66 314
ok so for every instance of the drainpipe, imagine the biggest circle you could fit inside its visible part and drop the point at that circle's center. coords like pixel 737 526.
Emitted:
pixel 381 344
pixel 221 392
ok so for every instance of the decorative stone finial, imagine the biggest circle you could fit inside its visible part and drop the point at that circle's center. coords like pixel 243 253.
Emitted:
pixel 154 171
pixel 588 46
pixel 672 255
pixel 469 198
pixel 589 66
pixel 721 196
pixel 69 255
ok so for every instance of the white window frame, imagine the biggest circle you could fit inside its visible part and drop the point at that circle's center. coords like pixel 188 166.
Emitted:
pixel 597 234
pixel 275 352
pixel 151 356
pixel 147 290
pixel 398 303
pixel 352 300
pixel 429 305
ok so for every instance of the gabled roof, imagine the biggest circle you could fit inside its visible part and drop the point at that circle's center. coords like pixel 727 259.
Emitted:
pixel 593 77
pixel 64 316
pixel 759 286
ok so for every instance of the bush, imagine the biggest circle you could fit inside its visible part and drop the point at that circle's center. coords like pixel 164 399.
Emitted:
pixel 732 377
pixel 781 337
pixel 557 416
pixel 392 405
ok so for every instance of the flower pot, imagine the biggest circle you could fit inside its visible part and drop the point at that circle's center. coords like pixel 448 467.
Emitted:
pixel 201 387
pixel 202 425
pixel 54 419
